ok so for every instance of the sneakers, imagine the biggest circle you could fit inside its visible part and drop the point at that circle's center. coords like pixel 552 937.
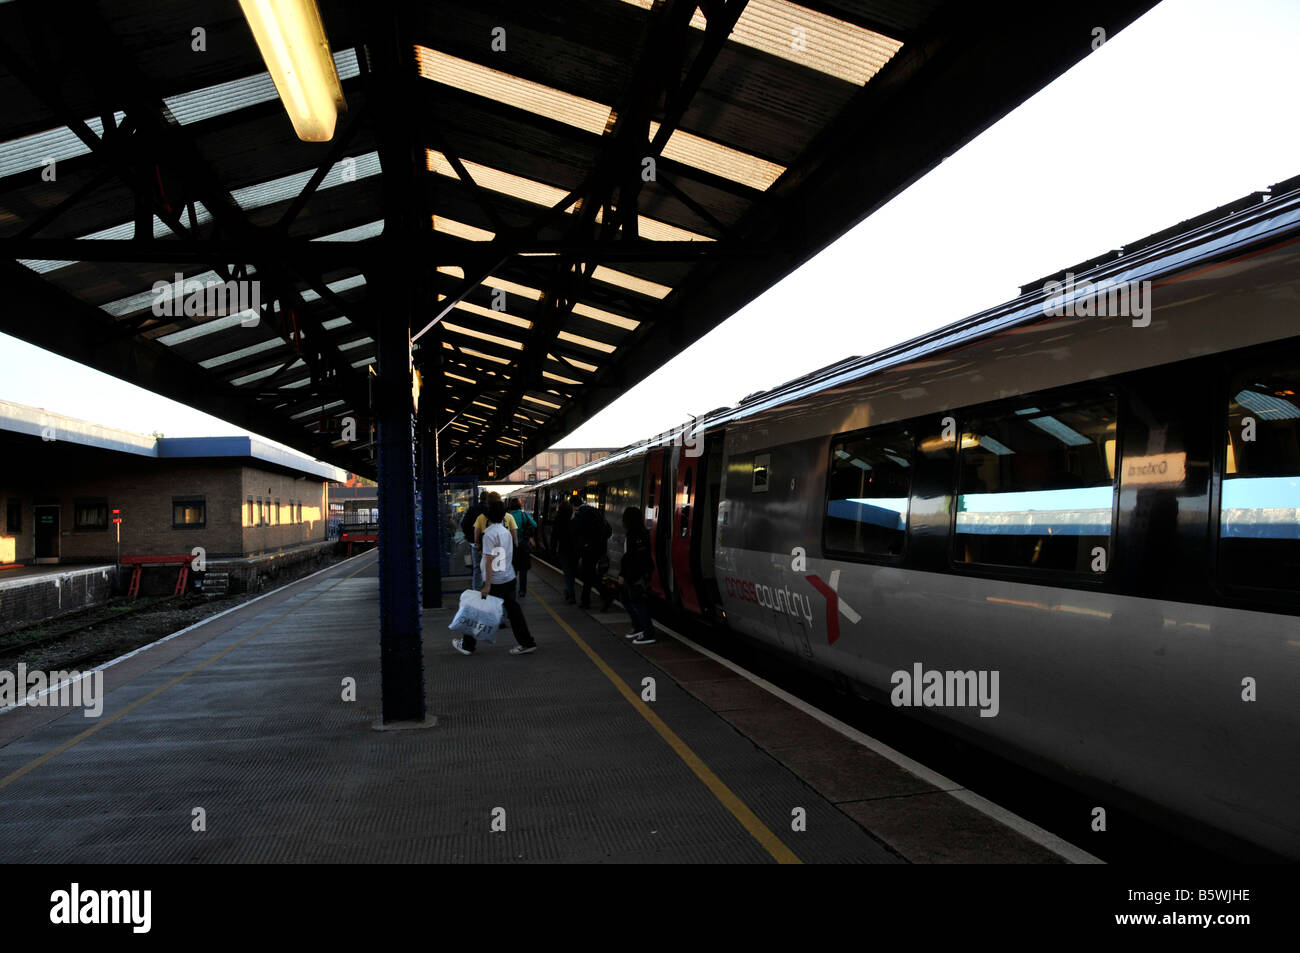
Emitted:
pixel 523 649
pixel 644 638
pixel 459 646
pixel 636 634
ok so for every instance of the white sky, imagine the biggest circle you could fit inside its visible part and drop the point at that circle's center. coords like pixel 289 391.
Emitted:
pixel 1192 106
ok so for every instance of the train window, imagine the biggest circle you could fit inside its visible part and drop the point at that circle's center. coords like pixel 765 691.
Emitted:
pixel 762 464
pixel 1036 486
pixel 867 500
pixel 684 503
pixel 1259 523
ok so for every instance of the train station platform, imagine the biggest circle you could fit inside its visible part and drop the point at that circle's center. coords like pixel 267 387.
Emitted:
pixel 232 741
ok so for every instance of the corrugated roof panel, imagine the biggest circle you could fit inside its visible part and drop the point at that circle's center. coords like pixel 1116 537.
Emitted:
pixel 548 196
pixel 573 362
pixel 241 353
pixel 807 37
pixel 605 317
pixel 233 95
pixel 470 233
pixel 288 187
pixel 501 316
pixel 591 117
pixel 622 279
pixel 586 342
pixel 343 284
pixel 260 375
pixel 54 145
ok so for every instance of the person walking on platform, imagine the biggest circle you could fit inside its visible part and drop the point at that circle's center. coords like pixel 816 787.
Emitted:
pixel 562 546
pixel 634 577
pixel 527 530
pixel 481 525
pixel 499 580
pixel 467 527
pixel 589 533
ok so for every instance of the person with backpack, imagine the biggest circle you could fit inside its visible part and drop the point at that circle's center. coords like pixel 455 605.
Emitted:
pixel 634 576
pixel 527 529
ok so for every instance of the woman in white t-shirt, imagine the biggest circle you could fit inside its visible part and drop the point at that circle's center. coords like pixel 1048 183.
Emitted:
pixel 499 580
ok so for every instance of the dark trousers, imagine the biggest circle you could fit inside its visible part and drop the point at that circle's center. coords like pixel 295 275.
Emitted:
pixel 566 563
pixel 505 591
pixel 589 573
pixel 638 609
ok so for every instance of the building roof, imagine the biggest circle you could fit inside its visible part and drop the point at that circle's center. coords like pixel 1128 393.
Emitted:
pixel 36 422
pixel 557 198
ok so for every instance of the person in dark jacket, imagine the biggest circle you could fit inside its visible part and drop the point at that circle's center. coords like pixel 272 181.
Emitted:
pixel 634 576
pixel 589 534
pixel 562 546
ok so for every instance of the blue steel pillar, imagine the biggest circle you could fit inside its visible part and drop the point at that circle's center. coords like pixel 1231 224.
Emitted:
pixel 400 646
pixel 400 288
pixel 430 403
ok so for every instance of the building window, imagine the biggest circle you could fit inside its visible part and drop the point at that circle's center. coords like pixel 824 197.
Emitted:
pixel 264 514
pixel 91 514
pixel 190 512
pixel 1259 508
pixel 869 490
pixel 14 516
pixel 275 513
pixel 1036 486
pixel 252 513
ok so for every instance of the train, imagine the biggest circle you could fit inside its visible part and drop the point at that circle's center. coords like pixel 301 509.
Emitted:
pixel 1085 502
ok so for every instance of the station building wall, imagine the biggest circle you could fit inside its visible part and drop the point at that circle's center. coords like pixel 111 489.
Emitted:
pixel 168 506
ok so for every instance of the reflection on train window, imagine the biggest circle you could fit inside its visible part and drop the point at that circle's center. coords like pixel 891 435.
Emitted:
pixel 870 484
pixel 1259 513
pixel 762 463
pixel 1036 486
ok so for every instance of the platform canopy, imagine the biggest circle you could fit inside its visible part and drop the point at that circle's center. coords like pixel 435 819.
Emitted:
pixel 553 198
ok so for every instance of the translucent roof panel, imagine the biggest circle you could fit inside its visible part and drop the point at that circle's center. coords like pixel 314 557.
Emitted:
pixel 592 117
pixel 815 40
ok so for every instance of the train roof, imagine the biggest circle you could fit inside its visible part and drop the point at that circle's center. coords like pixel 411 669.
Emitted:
pixel 1257 219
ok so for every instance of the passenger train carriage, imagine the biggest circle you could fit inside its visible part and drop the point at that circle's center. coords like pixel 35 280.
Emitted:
pixel 1102 509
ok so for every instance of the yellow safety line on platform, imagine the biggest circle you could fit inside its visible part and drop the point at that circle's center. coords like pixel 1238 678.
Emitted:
pixel 71 742
pixel 747 818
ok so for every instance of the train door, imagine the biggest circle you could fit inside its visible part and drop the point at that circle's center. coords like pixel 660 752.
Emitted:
pixel 683 523
pixel 706 525
pixel 654 493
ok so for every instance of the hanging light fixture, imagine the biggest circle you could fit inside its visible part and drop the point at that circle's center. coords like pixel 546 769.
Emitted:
pixel 291 38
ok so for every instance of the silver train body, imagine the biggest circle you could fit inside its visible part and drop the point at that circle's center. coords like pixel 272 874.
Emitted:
pixel 1137 636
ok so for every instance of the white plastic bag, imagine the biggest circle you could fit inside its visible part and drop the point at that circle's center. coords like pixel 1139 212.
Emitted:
pixel 477 616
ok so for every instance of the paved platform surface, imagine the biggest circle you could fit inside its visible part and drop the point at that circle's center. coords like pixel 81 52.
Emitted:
pixel 243 717
pixel 239 726
pixel 34 573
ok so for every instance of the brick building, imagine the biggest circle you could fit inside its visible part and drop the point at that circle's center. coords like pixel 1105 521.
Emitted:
pixel 237 497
